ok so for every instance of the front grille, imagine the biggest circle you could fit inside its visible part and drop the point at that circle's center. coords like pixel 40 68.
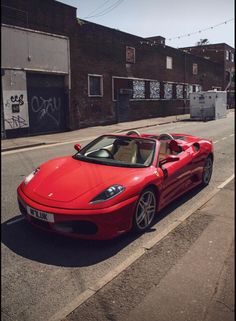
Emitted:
pixel 77 227
pixel 40 223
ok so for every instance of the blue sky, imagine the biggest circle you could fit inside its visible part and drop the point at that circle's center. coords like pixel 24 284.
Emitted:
pixel 168 18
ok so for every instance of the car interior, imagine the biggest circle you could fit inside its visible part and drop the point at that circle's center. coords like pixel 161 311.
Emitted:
pixel 133 151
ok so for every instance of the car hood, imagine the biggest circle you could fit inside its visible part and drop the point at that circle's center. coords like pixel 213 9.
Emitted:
pixel 66 179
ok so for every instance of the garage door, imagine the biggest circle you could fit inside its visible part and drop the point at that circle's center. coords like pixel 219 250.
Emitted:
pixel 47 103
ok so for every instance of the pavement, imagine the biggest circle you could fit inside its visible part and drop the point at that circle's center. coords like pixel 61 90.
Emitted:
pixel 188 276
pixel 86 133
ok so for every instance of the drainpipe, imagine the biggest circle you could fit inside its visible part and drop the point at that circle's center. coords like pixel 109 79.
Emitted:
pixel 230 81
pixel 3 133
pixel 185 92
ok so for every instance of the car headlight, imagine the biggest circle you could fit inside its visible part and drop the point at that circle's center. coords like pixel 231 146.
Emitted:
pixel 109 193
pixel 30 176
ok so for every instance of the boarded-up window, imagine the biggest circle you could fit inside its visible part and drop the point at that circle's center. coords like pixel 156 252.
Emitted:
pixel 198 88
pixel 130 55
pixel 189 89
pixel 138 89
pixel 168 91
pixel 154 90
pixel 179 91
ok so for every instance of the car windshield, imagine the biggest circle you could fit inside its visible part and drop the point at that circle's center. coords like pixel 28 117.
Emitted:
pixel 119 151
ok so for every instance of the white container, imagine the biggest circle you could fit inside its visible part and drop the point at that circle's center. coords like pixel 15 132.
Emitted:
pixel 208 105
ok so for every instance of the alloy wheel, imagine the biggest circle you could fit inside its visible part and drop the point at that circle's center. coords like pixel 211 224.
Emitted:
pixel 145 210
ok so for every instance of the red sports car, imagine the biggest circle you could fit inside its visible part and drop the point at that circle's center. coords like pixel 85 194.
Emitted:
pixel 114 184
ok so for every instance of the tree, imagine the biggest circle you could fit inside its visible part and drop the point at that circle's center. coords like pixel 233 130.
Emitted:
pixel 202 42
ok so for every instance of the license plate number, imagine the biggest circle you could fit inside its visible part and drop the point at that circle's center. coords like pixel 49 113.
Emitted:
pixel 48 217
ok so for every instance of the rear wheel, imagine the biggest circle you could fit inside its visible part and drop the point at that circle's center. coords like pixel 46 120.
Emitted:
pixel 145 210
pixel 207 171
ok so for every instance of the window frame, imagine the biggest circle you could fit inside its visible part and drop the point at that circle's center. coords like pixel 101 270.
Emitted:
pixel 232 56
pixel 226 54
pixel 131 60
pixel 195 68
pixel 101 85
pixel 169 62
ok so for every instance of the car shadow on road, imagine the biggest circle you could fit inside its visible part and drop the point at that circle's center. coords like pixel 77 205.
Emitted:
pixel 48 248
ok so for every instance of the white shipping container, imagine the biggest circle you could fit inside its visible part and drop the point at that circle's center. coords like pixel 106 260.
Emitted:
pixel 208 105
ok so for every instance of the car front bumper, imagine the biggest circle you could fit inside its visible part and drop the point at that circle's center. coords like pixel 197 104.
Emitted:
pixel 85 224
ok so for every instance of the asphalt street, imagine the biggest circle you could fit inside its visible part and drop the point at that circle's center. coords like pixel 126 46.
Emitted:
pixel 43 273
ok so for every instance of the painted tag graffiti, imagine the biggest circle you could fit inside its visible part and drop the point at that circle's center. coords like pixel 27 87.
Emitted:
pixel 46 108
pixel 16 122
pixel 16 103
pixel 15 109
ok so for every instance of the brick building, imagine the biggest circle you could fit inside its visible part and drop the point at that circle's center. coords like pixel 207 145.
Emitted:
pixel 223 54
pixel 100 75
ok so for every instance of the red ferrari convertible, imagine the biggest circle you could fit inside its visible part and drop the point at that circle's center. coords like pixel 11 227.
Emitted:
pixel 114 184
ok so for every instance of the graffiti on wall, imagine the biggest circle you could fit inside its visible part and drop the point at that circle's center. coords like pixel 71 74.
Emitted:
pixel 46 108
pixel 15 109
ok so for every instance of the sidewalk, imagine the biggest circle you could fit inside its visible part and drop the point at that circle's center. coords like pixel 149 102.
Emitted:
pixel 22 142
pixel 200 287
pixel 188 276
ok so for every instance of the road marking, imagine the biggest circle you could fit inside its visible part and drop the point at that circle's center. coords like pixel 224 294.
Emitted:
pixel 226 182
pixel 26 149
pixel 88 293
pixel 215 142
pixel 223 138
pixel 16 220
pixel 231 135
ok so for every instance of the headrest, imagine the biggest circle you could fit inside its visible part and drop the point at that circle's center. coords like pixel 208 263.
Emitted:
pixel 173 145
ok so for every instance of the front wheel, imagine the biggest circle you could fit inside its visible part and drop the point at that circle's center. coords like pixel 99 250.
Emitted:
pixel 145 210
pixel 207 171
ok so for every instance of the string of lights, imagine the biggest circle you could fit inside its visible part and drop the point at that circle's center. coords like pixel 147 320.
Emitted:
pixel 199 31
pixel 156 43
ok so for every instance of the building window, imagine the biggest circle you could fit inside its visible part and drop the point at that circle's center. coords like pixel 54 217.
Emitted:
pixel 195 71
pixel 198 88
pixel 95 85
pixel 130 55
pixel 138 89
pixel 168 90
pixel 189 89
pixel 232 57
pixel 154 90
pixel 227 55
pixel 169 63
pixel 179 91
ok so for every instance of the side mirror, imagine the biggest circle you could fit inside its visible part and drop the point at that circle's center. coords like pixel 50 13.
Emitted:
pixel 169 159
pixel 77 147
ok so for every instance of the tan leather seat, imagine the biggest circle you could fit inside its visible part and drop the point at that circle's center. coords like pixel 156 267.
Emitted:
pixel 164 150
pixel 127 153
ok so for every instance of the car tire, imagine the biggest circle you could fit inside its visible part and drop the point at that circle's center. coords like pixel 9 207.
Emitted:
pixel 207 171
pixel 145 210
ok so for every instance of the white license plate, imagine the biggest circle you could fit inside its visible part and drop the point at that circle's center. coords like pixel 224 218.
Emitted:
pixel 48 217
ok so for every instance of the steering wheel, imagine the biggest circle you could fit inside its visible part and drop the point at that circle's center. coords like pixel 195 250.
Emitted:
pixel 165 136
pixel 133 132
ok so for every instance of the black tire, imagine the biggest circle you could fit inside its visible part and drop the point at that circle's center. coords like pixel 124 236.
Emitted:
pixel 207 171
pixel 145 210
